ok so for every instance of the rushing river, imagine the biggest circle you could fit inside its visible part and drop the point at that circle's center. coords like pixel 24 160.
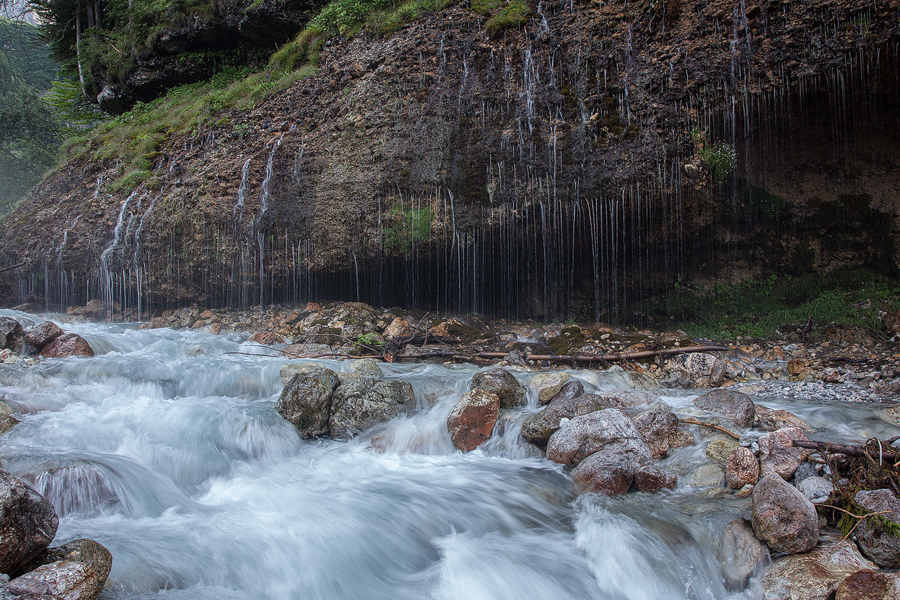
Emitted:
pixel 166 448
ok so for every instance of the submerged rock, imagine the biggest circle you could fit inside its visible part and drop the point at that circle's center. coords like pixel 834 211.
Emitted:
pixel 740 553
pixel 502 383
pixel 472 419
pixel 736 406
pixel 7 421
pixel 609 429
pixel 649 478
pixel 305 401
pixel 877 538
pixel 362 403
pixel 782 517
pixel 28 523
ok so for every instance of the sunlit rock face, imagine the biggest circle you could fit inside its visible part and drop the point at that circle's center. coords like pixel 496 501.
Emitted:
pixel 587 164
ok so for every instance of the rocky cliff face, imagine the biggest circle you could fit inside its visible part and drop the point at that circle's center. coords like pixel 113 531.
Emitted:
pixel 583 165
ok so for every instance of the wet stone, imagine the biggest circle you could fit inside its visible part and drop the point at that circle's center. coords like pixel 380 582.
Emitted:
pixel 502 383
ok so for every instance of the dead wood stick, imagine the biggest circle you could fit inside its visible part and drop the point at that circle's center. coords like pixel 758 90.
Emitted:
pixel 609 357
pixel 712 425
pixel 841 449
pixel 11 267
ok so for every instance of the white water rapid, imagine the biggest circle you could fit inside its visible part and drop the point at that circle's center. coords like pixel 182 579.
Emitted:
pixel 166 448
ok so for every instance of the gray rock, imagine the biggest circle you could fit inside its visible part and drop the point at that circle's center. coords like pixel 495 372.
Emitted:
pixel 708 475
pixel 698 370
pixel 773 420
pixel 782 517
pixel 658 426
pixel 11 334
pixel 740 554
pixel 735 405
pixel 472 419
pixel 28 523
pixel 804 471
pixel 288 370
pixel 741 469
pixel 74 571
pixel 813 575
pixel 609 429
pixel 502 383
pixel 604 473
pixel 711 433
pixel 548 385
pixel 874 539
pixel 366 367
pixel 629 398
pixel 572 389
pixel 816 489
pixel 777 455
pixel 363 403
pixel 306 401
pixel 538 427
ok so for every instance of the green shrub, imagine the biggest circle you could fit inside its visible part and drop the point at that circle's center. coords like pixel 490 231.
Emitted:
pixel 409 226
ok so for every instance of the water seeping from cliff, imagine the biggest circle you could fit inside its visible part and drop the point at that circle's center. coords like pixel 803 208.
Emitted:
pixel 165 447
pixel 750 179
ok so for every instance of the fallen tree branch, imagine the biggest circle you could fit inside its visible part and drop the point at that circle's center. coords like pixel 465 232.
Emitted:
pixel 842 449
pixel 712 425
pixel 608 357
pixel 859 518
pixel 11 267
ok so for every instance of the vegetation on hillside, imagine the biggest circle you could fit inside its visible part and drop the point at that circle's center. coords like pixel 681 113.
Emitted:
pixel 29 136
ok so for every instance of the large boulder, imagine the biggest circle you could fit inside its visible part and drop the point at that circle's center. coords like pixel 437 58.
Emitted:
pixel 659 428
pixel 740 554
pixel 306 401
pixel 604 473
pixel 548 385
pixel 74 571
pixel 68 344
pixel 877 538
pixel 11 334
pixel 362 403
pixel 609 429
pixel 42 334
pixel 778 455
pixel 782 517
pixel 28 523
pixel 538 427
pixel 737 406
pixel 472 419
pixel 502 383
pixel 814 575
pixel 741 469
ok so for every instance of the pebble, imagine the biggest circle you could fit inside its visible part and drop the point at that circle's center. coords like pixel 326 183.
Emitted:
pixel 808 390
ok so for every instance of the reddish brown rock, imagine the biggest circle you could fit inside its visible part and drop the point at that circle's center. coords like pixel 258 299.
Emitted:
pixel 42 334
pixel 782 517
pixel 68 344
pixel 75 571
pixel 773 420
pixel 267 338
pixel 502 383
pixel 867 584
pixel 604 473
pixel 28 523
pixel 472 420
pixel 741 469
pixel 658 427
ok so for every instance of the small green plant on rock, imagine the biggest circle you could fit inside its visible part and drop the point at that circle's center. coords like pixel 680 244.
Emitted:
pixel 410 226
pixel 718 156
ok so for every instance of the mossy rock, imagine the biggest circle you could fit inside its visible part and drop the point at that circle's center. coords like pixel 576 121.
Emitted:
pixel 569 339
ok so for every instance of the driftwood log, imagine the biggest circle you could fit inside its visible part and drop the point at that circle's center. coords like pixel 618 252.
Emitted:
pixel 609 357
pixel 872 453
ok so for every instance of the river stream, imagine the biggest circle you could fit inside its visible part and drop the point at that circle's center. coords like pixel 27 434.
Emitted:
pixel 167 449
